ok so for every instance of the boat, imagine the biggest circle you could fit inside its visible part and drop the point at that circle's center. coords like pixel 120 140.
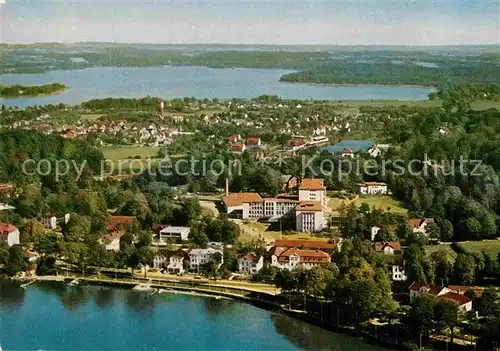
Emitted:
pixel 145 288
pixel 74 282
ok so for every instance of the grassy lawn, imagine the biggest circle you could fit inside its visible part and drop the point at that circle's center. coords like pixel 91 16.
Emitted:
pixel 353 105
pixel 252 230
pixel 429 249
pixel 383 202
pixel 123 153
pixel 491 247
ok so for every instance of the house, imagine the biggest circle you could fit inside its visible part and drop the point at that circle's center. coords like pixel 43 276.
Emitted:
pixel 9 234
pixel 175 262
pixel 372 188
pixel 49 221
pixel 443 130
pixel 253 142
pixel 169 232
pixel 398 273
pixel 112 241
pixel 347 152
pixel 119 222
pixel 374 231
pixel 388 248
pixel 30 256
pixel 464 303
pixel 290 258
pixel 295 144
pixel 445 293
pixel 6 188
pixel 417 288
pixel 418 225
pixel 237 148
pixel 327 246
pixel 234 138
pixel 250 263
pixel 200 257
pixel 317 140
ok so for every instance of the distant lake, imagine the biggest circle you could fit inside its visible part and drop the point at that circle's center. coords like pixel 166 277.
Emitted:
pixel 202 82
pixel 52 316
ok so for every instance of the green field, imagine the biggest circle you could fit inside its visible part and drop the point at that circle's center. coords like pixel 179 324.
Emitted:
pixel 491 247
pixel 353 105
pixel 126 152
pixel 383 202
pixel 445 247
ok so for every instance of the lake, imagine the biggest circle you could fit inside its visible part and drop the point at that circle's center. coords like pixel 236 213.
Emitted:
pixel 202 82
pixel 52 316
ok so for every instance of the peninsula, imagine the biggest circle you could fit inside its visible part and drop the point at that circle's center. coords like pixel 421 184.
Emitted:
pixel 18 90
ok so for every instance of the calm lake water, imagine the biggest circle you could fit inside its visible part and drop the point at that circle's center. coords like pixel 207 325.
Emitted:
pixel 51 316
pixel 201 82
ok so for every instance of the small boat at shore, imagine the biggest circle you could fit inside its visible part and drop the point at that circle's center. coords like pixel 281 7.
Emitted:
pixel 145 288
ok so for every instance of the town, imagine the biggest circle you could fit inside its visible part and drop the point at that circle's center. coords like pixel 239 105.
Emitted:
pixel 376 247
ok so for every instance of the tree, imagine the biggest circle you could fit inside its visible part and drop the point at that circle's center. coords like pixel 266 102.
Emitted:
pixel 317 279
pixel 446 315
pixel 422 314
pixel 464 269
pixel 446 230
pixel 443 266
pixel 15 262
pixel 145 256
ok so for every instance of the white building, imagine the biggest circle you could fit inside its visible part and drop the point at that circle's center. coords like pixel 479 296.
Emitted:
pixel 309 216
pixel 9 234
pixel 374 231
pixel 112 241
pixel 176 262
pixel 398 273
pixel 291 258
pixel 50 222
pixel 419 225
pixel 250 263
pixel 199 257
pixel 172 232
pixel 372 188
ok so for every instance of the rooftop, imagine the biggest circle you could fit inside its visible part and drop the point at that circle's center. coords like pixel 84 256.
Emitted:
pixel 354 145
pixel 173 229
pixel 312 184
pixel 238 199
pixel 306 244
pixel 312 206
pixel 6 228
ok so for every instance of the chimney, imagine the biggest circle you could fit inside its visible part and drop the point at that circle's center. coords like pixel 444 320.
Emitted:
pixel 227 186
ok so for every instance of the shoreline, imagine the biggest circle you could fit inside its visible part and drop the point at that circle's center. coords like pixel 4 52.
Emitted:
pixel 364 84
pixel 267 305
pixel 58 92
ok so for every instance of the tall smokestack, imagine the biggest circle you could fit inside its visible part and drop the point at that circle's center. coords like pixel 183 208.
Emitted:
pixel 160 104
pixel 227 186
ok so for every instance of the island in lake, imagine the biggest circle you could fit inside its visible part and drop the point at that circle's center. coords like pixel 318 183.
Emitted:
pixel 17 90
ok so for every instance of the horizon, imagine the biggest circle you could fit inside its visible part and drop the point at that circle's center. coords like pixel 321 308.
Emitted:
pixel 283 23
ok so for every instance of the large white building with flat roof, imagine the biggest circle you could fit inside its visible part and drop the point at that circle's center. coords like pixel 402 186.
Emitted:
pixel 308 207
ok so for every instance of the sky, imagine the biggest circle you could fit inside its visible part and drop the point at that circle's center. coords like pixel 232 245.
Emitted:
pixel 329 22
